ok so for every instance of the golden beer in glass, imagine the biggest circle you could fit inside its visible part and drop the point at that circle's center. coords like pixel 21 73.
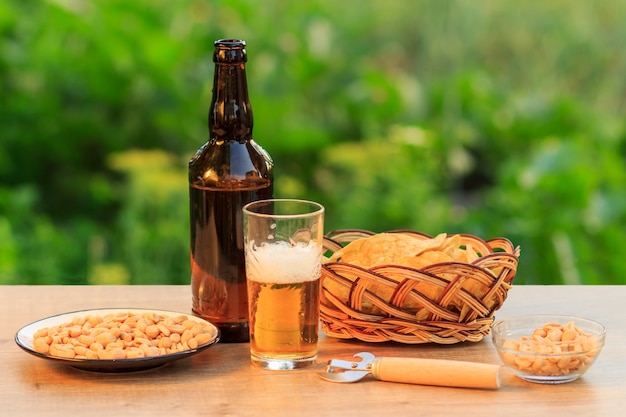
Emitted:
pixel 283 252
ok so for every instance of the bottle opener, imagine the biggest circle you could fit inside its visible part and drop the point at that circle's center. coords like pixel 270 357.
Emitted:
pixel 439 372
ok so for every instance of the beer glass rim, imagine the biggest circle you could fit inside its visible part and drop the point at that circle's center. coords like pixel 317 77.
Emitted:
pixel 316 208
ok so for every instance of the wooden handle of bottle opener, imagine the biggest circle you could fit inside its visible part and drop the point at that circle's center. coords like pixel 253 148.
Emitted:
pixel 438 372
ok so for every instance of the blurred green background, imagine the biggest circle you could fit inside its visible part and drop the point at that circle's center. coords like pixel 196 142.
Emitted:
pixel 497 118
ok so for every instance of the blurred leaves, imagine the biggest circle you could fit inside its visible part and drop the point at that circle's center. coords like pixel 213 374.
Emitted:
pixel 503 118
pixel 153 226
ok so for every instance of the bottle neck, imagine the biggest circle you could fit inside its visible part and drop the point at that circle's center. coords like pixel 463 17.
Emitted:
pixel 230 115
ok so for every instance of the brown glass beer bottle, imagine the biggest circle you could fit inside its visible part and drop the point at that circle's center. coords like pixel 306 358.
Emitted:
pixel 230 170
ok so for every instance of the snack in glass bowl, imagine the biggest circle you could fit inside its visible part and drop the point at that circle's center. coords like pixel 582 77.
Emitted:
pixel 548 349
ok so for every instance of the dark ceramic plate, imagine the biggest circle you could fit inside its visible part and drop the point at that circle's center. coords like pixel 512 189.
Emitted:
pixel 24 339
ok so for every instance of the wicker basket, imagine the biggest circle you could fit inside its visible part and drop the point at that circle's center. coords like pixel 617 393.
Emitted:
pixel 453 315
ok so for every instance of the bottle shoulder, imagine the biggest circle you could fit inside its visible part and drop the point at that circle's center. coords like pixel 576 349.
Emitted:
pixel 230 162
pixel 215 150
pixel 261 151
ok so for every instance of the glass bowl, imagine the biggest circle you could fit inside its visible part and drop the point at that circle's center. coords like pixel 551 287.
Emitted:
pixel 548 349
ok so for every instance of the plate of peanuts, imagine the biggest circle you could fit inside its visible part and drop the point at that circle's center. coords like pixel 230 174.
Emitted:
pixel 117 339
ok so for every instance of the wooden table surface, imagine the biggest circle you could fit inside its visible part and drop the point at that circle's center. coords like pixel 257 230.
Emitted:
pixel 221 381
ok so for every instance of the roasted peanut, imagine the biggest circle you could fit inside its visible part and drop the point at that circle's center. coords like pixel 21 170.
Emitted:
pixel 152 331
pixel 41 345
pixel 122 335
pixel 574 348
pixel 62 350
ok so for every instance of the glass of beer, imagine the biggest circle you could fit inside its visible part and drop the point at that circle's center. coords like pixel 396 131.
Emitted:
pixel 283 244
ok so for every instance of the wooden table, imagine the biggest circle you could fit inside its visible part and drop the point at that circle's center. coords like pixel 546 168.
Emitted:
pixel 221 381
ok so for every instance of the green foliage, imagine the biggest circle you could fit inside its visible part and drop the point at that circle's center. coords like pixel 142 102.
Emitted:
pixel 389 183
pixel 498 118
pixel 153 227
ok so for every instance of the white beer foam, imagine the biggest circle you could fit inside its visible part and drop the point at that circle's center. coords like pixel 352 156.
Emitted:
pixel 282 263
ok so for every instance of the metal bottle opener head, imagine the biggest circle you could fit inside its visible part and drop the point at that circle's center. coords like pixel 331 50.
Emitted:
pixel 338 370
